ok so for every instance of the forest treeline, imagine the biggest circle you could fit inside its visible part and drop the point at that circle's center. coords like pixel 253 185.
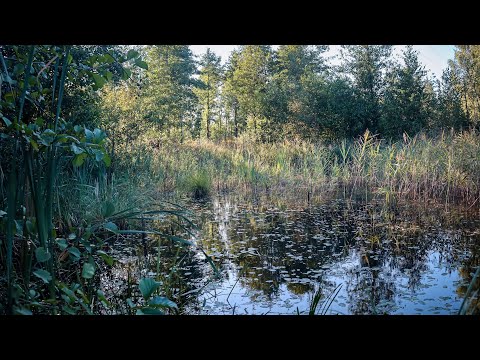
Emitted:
pixel 291 91
pixel 271 94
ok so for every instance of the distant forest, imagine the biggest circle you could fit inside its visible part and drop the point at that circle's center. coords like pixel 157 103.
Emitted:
pixel 290 91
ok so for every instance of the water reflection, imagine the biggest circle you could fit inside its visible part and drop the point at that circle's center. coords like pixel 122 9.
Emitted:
pixel 274 254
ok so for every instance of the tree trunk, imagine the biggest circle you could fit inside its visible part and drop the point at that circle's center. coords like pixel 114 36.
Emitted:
pixel 235 120
pixel 208 106
pixel 208 117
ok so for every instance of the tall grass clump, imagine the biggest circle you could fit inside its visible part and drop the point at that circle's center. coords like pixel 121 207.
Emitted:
pixel 198 184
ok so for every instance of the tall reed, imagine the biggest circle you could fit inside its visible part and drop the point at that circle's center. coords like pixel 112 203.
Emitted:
pixel 444 167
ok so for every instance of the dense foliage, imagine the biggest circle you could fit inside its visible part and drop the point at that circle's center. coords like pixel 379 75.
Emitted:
pixel 89 132
pixel 293 91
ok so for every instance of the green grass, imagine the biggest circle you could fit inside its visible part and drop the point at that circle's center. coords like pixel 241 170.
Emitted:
pixel 445 167
pixel 198 184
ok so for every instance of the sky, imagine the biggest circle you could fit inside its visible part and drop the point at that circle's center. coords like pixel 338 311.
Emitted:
pixel 434 57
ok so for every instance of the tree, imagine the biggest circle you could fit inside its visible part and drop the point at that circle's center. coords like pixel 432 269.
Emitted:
pixel 168 96
pixel 297 67
pixel 120 116
pixel 366 65
pixel 450 113
pixel 208 90
pixel 467 67
pixel 406 105
pixel 230 96
pixel 250 77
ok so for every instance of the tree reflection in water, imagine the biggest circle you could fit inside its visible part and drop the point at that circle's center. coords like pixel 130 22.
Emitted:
pixel 274 252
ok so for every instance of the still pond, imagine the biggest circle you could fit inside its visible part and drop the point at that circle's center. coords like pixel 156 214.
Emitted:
pixel 362 255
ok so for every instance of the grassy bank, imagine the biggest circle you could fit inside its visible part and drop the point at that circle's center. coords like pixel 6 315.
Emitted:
pixel 445 167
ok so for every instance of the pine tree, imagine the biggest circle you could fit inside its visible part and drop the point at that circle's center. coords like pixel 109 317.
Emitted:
pixel 208 90
pixel 366 64
pixel 168 97
pixel 229 96
pixel 251 75
pixel 450 113
pixel 298 69
pixel 406 104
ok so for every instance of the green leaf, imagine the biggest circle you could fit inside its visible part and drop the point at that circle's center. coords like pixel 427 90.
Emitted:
pixel 98 134
pixel 76 150
pixel 31 228
pixel 87 234
pixel 44 275
pixel 42 255
pixel 102 298
pixel 108 259
pixel 148 311
pixel 9 97
pixel 9 80
pixel 147 287
pixel 63 138
pixel 39 121
pixel 71 295
pixel 19 227
pixel 88 270
pixel 107 160
pixel 111 227
pixel 99 81
pixel 19 69
pixel 75 252
pixel 2 213
pixel 108 58
pixel 34 144
pixel 126 73
pixel 47 137
pixel 162 302
pixel 62 244
pixel 68 310
pixel 89 135
pixel 79 159
pixel 132 54
pixel 141 63
pixel 108 209
pixel 98 155
pixel 6 121
pixel 108 75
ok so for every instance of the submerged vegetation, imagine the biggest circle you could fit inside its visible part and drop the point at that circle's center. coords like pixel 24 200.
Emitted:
pixel 99 143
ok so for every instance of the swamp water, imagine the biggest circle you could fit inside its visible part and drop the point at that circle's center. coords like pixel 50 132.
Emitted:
pixel 274 254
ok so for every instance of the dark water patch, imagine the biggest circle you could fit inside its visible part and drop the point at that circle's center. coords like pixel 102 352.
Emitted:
pixel 275 253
